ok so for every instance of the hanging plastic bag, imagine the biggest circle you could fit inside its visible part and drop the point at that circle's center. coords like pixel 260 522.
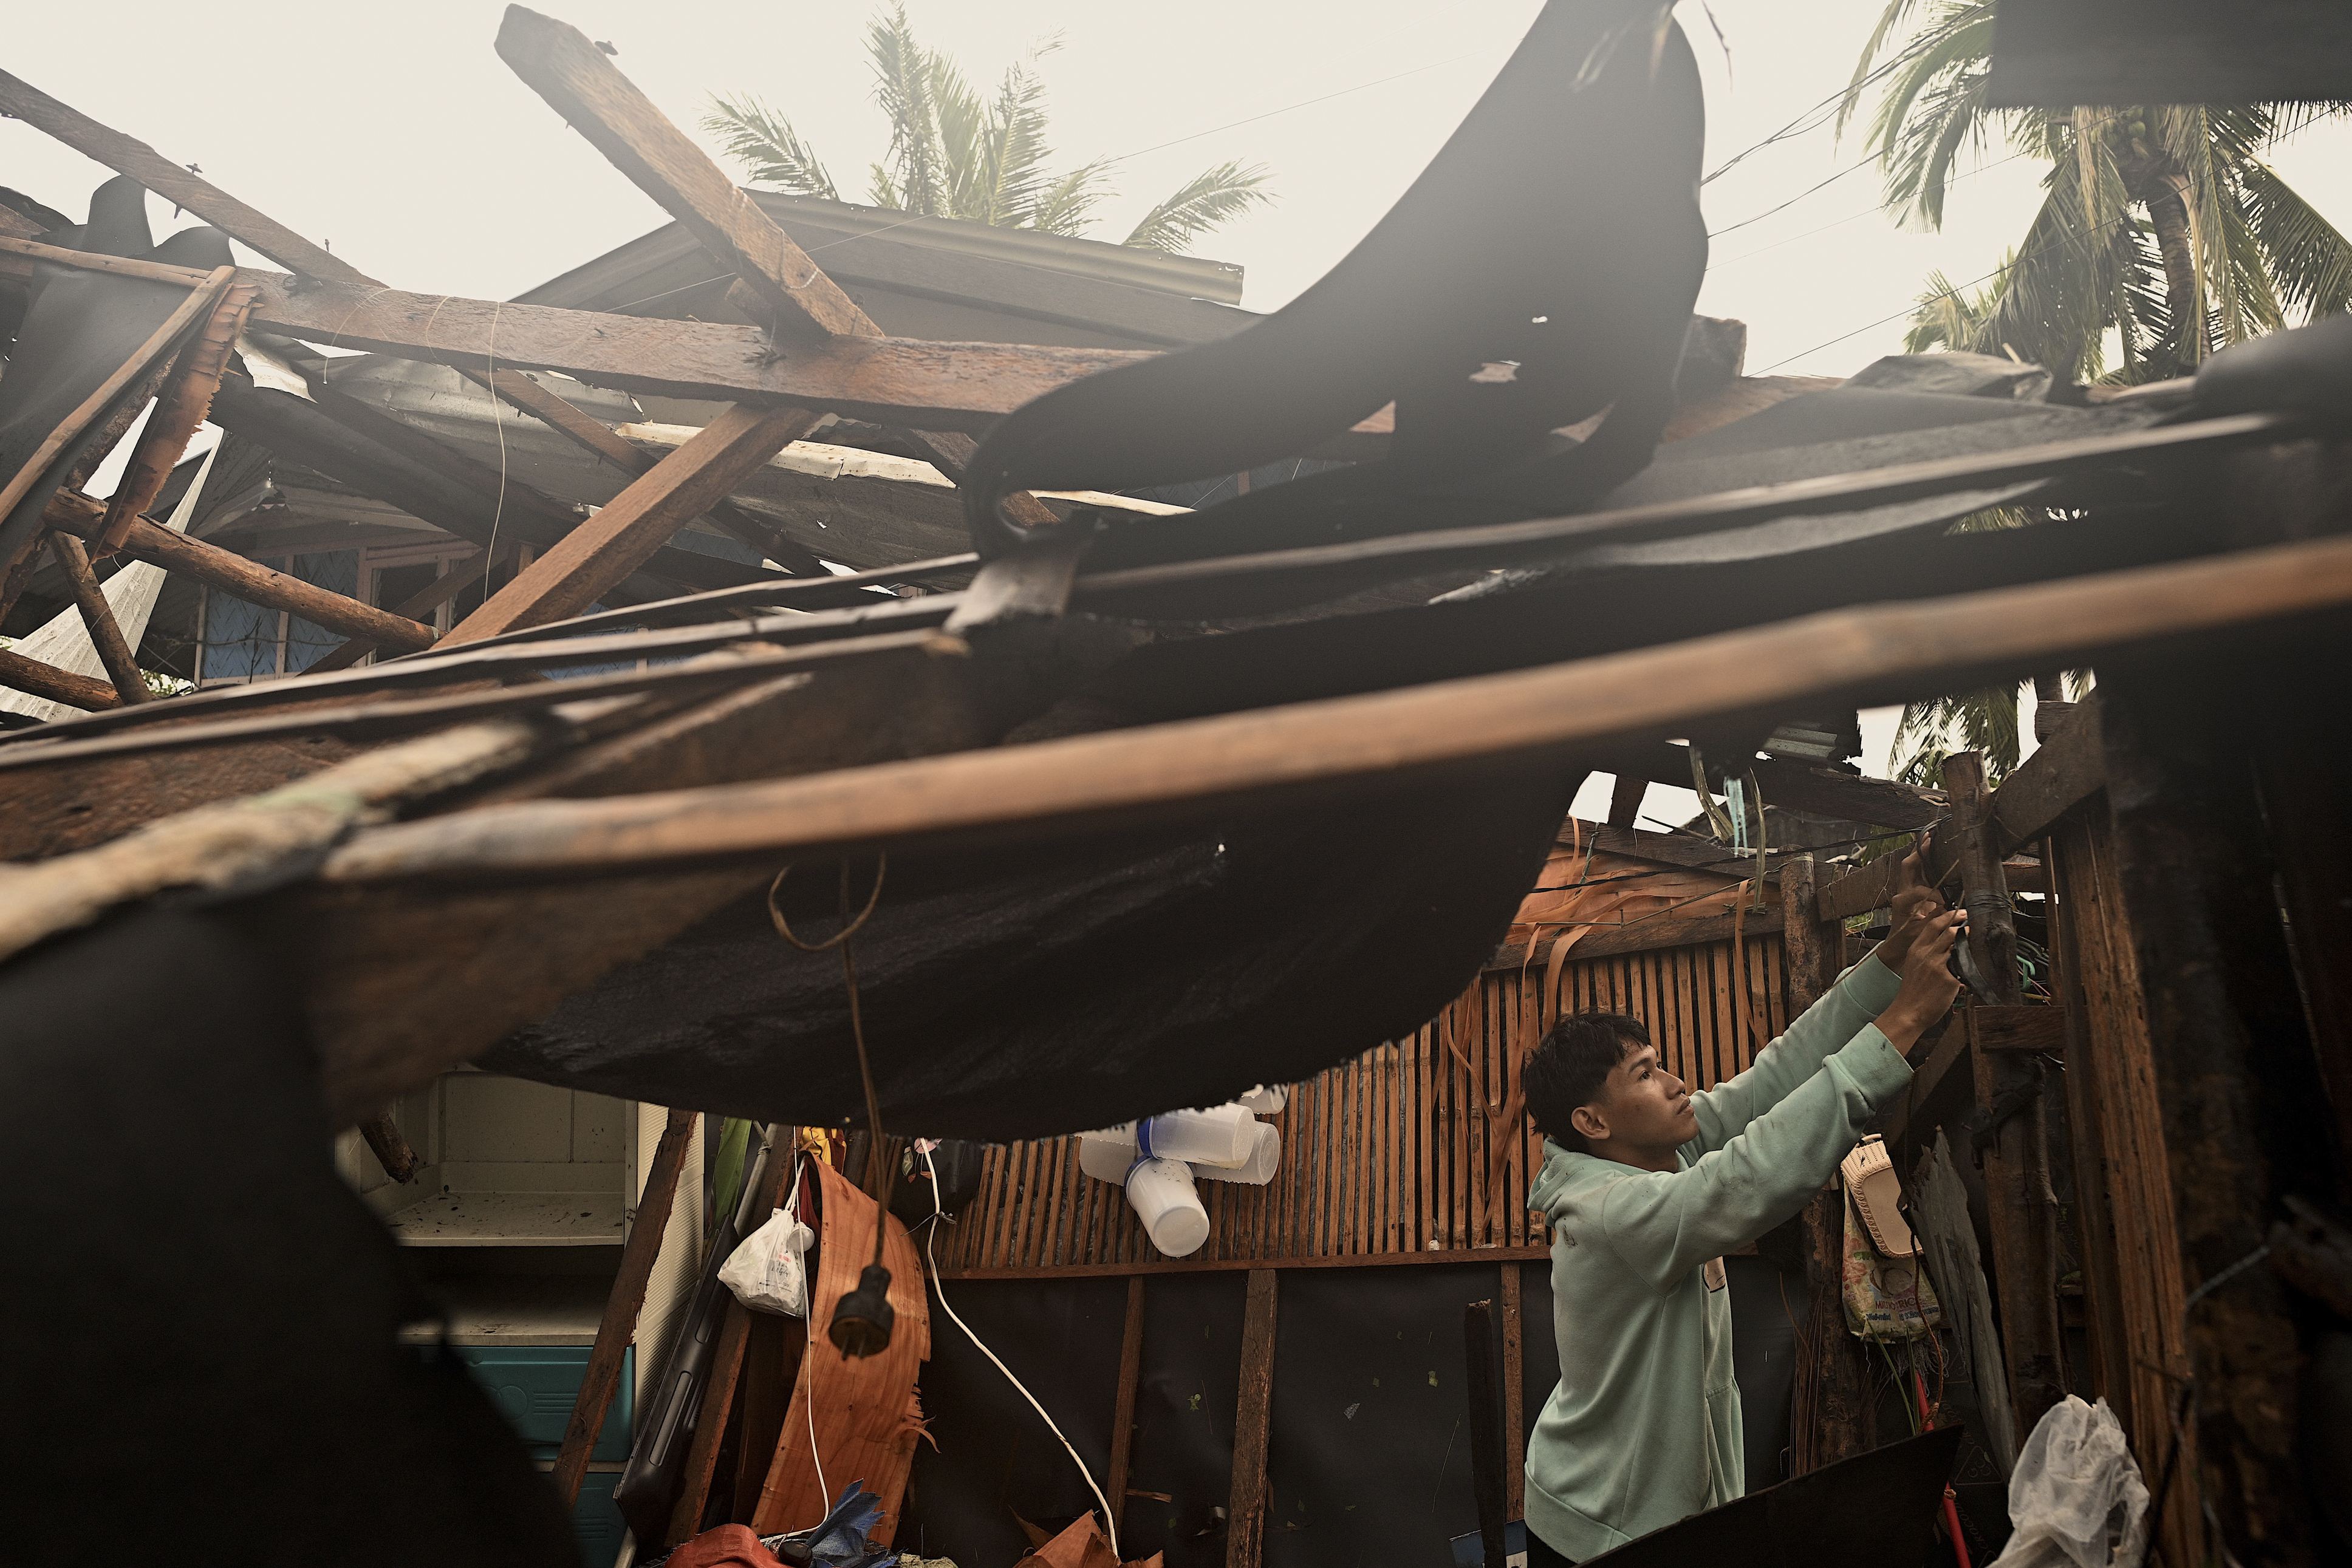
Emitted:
pixel 765 1272
pixel 2076 1499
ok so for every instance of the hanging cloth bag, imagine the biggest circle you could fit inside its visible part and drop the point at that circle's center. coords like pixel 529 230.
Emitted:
pixel 1887 1293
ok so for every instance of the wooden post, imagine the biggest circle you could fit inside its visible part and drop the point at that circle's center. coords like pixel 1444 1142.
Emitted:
pixel 391 1150
pixel 1122 1415
pixel 2131 1261
pixel 1808 956
pixel 1515 1410
pixel 1834 1417
pixel 2243 1106
pixel 1486 1481
pixel 98 620
pixel 2023 1209
pixel 1253 1420
pixel 619 1325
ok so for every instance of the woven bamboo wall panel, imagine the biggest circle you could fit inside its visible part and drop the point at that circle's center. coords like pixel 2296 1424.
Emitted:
pixel 1416 1147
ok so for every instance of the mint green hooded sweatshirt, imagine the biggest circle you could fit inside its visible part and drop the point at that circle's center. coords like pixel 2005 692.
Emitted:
pixel 1644 1429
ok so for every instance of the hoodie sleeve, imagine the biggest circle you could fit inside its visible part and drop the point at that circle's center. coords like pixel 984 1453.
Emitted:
pixel 1663 1224
pixel 1860 995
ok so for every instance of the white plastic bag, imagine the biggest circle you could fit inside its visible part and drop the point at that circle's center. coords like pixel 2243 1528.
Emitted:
pixel 2076 1500
pixel 765 1271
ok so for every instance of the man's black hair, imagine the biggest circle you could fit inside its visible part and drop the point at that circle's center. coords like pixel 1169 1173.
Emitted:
pixel 1571 1065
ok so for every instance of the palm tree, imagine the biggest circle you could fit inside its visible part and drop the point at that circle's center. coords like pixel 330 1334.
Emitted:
pixel 954 155
pixel 2161 223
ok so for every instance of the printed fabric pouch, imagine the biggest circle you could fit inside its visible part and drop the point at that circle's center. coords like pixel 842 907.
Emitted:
pixel 1888 1295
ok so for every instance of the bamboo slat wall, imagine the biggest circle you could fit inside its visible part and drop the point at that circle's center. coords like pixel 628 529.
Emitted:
pixel 1394 1153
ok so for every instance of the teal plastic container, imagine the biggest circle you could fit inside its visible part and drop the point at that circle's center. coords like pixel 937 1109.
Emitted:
pixel 536 1385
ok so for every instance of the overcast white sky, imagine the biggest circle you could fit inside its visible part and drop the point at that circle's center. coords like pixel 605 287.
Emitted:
pixel 397 135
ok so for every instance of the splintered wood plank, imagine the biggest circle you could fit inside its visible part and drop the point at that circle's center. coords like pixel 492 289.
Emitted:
pixel 187 398
pixel 863 1410
pixel 947 385
pixel 1181 770
pixel 1253 1424
pixel 1122 1419
pixel 580 82
pixel 601 552
pixel 618 1328
pixel 186 318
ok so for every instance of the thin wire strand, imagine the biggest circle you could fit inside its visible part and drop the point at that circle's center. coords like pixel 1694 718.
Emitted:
pixel 938 1212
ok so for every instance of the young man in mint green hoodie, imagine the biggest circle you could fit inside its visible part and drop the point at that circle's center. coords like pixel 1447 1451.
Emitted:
pixel 1647 1186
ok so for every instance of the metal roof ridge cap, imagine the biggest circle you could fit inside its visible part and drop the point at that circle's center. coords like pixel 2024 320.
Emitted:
pixel 1161 271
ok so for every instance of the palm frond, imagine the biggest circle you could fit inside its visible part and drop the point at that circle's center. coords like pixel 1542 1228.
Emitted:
pixel 1013 181
pixel 962 119
pixel 764 141
pixel 1210 199
pixel 902 86
pixel 2310 261
pixel 1894 16
pixel 1983 721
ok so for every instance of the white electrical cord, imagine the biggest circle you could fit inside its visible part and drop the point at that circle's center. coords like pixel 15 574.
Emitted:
pixel 939 1215
pixel 808 1317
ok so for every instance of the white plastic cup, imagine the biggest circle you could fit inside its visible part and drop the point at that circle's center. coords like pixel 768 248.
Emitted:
pixel 1265 1158
pixel 1265 1099
pixel 1219 1136
pixel 1161 1194
pixel 1106 1155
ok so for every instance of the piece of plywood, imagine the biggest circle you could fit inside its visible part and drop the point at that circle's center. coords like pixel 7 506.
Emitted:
pixel 862 1413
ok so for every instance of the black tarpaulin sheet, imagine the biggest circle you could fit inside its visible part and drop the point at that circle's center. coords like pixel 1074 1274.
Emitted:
pixel 1047 988
pixel 1368 1463
pixel 1541 270
pixel 201 1315
pixel 80 329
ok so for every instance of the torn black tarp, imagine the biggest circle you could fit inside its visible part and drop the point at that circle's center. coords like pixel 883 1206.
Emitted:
pixel 1013 993
pixel 1540 271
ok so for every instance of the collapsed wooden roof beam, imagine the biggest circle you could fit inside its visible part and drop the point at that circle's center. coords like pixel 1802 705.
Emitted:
pixel 175 182
pixel 893 381
pixel 624 534
pixel 1171 771
pixel 72 513
pixel 776 282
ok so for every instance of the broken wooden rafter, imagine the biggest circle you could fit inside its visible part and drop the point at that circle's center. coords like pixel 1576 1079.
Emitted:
pixel 591 434
pixel 895 381
pixel 616 1330
pixel 776 282
pixel 583 85
pixel 1178 769
pixel 2067 770
pixel 175 182
pixel 45 681
pixel 190 312
pixel 98 620
pixel 623 536
pixel 366 720
pixel 187 398
pixel 149 542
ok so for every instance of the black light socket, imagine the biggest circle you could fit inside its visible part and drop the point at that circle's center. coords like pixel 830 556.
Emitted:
pixel 861 1319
